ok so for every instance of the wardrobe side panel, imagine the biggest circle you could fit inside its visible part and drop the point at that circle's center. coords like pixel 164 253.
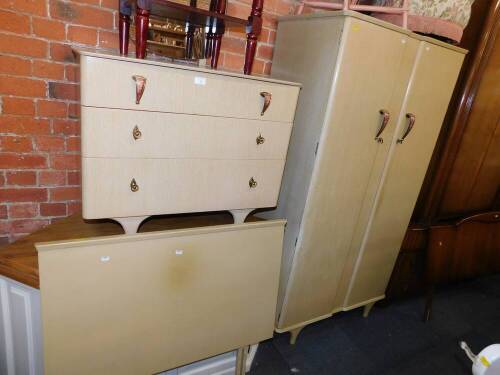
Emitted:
pixel 346 159
pixel 312 65
pixel 429 93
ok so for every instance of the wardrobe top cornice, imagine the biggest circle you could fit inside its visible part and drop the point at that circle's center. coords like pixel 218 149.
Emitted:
pixel 111 55
pixel 376 21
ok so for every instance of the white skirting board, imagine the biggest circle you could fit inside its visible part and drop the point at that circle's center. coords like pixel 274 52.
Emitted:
pixel 21 345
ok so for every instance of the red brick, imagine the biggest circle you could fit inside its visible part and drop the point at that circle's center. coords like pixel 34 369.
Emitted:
pixel 52 209
pixel 66 127
pixel 46 69
pixel 73 144
pixel 72 73
pixel 17 106
pixel 74 111
pixel 4 240
pixel 49 108
pixel 59 194
pixel 265 52
pixel 2 179
pixel 108 39
pixel 91 2
pixel 235 45
pixel 23 195
pixel 111 4
pixel 24 125
pixel 233 61
pixel 22 86
pixel 15 65
pixel 74 207
pixel 23 210
pixel 49 143
pixel 65 91
pixel 3 212
pixel 22 161
pixel 49 29
pixel 23 178
pixel 27 225
pixel 14 22
pixel 82 35
pixel 62 53
pixel 81 14
pixel 37 7
pixel 70 162
pixel 51 178
pixel 74 178
pixel 15 144
pixel 18 45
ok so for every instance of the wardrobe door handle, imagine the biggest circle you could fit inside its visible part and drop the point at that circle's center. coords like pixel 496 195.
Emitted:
pixel 140 86
pixel 386 116
pixel 267 101
pixel 411 123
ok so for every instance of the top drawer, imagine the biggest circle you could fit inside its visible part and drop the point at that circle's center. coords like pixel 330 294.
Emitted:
pixel 110 83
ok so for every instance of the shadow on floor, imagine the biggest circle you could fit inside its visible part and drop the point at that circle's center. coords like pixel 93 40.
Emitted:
pixel 393 340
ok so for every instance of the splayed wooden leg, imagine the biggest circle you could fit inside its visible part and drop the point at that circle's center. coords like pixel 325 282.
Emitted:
pixel 367 309
pixel 294 333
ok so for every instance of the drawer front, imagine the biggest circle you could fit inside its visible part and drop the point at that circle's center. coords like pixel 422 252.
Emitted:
pixel 167 186
pixel 109 83
pixel 144 303
pixel 138 134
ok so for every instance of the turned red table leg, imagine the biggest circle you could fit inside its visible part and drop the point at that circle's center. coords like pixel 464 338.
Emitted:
pixel 124 28
pixel 220 8
pixel 210 33
pixel 141 32
pixel 255 24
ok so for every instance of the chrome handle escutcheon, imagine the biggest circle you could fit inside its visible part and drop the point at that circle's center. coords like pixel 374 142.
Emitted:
pixel 252 183
pixel 260 139
pixel 267 101
pixel 133 186
pixel 140 86
pixel 136 133
pixel 386 116
pixel 411 123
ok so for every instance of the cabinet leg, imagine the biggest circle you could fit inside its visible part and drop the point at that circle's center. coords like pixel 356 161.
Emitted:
pixel 141 32
pixel 239 216
pixel 241 360
pixel 130 224
pixel 428 304
pixel 294 333
pixel 124 35
pixel 367 309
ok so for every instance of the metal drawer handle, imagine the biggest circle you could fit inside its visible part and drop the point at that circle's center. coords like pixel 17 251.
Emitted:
pixel 386 116
pixel 136 133
pixel 260 139
pixel 133 186
pixel 411 123
pixel 267 101
pixel 140 86
pixel 252 183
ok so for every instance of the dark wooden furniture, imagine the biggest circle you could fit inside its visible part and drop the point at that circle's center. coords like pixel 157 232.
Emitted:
pixel 195 17
pixel 464 175
pixel 460 250
pixel 19 260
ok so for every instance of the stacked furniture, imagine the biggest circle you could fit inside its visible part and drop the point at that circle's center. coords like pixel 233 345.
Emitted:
pixel 374 96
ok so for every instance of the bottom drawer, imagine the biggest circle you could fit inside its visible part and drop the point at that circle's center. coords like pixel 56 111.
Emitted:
pixel 144 303
pixel 168 186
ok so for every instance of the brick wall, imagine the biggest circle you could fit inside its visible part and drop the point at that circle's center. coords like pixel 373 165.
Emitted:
pixel 39 93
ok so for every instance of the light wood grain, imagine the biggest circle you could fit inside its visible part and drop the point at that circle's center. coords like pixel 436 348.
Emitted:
pixel 109 133
pixel 182 91
pixel 168 186
pixel 221 281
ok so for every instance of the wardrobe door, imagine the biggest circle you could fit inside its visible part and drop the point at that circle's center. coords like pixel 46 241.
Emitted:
pixel 348 155
pixel 431 85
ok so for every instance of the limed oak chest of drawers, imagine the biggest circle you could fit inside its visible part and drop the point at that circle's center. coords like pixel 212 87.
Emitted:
pixel 160 138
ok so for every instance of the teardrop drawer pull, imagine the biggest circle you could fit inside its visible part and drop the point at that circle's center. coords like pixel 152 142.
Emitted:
pixel 260 139
pixel 140 86
pixel 267 101
pixel 136 133
pixel 133 186
pixel 252 183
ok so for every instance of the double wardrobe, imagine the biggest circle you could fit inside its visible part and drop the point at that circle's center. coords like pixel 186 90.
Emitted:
pixel 372 102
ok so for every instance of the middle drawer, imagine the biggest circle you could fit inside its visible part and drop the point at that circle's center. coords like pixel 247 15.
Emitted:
pixel 140 134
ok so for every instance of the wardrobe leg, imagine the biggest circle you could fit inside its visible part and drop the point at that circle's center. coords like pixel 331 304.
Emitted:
pixel 294 333
pixel 428 304
pixel 241 360
pixel 367 309
pixel 239 216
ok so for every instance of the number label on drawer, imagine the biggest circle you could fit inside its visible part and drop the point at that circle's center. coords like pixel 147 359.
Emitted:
pixel 201 81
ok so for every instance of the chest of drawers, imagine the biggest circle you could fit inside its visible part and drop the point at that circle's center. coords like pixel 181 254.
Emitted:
pixel 160 138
